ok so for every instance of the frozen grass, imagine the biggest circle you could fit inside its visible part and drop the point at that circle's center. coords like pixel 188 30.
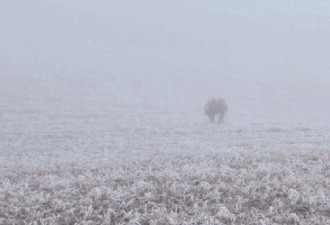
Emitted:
pixel 88 168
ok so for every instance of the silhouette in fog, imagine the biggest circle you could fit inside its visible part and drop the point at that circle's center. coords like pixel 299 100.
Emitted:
pixel 216 107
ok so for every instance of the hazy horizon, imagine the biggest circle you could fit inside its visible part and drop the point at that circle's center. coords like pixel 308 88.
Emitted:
pixel 265 57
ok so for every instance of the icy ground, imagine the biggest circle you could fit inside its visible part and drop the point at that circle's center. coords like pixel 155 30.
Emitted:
pixel 125 164
pixel 138 150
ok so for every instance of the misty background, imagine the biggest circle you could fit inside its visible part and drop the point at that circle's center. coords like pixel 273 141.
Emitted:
pixel 268 59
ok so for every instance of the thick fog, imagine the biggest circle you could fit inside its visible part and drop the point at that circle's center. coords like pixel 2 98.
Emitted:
pixel 268 59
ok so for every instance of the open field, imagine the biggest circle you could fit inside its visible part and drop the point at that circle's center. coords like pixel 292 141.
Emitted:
pixel 102 112
pixel 157 167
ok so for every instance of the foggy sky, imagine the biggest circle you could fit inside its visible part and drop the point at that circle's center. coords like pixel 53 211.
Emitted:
pixel 167 36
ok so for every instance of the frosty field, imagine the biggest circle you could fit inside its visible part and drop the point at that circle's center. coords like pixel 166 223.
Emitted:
pixel 127 164
pixel 102 112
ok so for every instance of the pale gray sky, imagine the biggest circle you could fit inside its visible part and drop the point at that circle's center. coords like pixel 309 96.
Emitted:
pixel 114 35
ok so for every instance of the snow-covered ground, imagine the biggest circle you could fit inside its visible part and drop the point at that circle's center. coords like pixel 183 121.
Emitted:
pixel 112 150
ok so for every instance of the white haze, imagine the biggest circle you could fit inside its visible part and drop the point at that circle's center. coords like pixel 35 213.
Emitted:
pixel 102 122
pixel 269 59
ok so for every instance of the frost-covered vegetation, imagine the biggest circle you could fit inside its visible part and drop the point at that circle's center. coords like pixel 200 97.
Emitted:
pixel 89 168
